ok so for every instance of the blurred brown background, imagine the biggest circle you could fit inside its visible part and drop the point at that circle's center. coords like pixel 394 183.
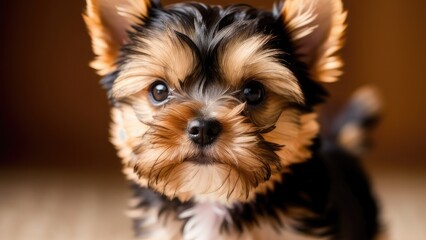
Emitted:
pixel 52 104
pixel 54 114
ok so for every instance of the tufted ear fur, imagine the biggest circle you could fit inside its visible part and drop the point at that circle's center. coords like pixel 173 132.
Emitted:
pixel 317 28
pixel 108 22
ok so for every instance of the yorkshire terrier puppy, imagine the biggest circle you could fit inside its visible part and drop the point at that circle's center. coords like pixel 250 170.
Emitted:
pixel 213 117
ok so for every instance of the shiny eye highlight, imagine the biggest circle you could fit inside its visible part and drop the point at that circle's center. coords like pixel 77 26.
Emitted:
pixel 253 93
pixel 159 92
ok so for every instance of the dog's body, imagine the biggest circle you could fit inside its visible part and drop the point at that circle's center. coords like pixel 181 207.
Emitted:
pixel 319 200
pixel 213 116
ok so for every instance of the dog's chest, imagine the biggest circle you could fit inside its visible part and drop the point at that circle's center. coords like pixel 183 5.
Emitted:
pixel 205 221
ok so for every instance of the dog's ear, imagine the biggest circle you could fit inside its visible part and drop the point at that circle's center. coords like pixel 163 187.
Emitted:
pixel 108 22
pixel 316 29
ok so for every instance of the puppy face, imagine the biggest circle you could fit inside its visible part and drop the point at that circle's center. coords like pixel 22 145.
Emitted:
pixel 210 102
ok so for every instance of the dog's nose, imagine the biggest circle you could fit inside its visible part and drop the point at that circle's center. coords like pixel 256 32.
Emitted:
pixel 204 131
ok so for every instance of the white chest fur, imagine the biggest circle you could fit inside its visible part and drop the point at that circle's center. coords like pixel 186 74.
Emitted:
pixel 205 220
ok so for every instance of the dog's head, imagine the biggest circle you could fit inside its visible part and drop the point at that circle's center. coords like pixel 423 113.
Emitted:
pixel 214 102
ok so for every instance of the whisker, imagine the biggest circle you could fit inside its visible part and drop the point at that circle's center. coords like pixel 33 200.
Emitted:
pixel 224 180
pixel 233 188
pixel 155 164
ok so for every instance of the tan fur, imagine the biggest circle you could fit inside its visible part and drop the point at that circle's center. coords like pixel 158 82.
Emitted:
pixel 296 139
pixel 160 149
pixel 205 219
pixel 125 130
pixel 160 152
pixel 295 132
pixel 158 146
pixel 353 135
pixel 256 143
pixel 350 137
pixel 317 28
pixel 245 58
pixel 204 223
pixel 164 57
pixel 107 22
pixel 155 225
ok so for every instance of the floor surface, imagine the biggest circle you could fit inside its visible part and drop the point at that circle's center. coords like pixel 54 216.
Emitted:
pixel 47 204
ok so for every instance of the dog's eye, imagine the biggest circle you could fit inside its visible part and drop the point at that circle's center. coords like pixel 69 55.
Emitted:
pixel 159 92
pixel 253 93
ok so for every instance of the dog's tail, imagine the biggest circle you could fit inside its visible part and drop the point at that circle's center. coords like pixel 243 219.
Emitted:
pixel 352 127
pixel 348 138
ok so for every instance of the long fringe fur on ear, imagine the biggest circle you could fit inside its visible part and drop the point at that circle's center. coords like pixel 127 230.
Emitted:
pixel 317 28
pixel 108 22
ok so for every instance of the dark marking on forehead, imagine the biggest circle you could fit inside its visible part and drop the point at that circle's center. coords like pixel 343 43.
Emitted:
pixel 208 28
pixel 200 33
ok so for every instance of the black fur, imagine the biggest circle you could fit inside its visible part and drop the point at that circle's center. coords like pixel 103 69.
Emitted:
pixel 306 187
pixel 351 196
pixel 229 22
pixel 331 185
pixel 152 199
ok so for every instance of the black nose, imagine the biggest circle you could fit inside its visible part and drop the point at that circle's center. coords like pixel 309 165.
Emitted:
pixel 204 131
